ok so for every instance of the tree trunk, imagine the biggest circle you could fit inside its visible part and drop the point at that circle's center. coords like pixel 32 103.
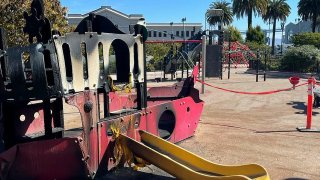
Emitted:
pixel 314 22
pixel 273 35
pixel 249 19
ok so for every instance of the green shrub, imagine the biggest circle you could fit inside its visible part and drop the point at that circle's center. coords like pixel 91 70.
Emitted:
pixel 235 34
pixel 301 59
pixel 255 35
pixel 254 46
pixel 306 39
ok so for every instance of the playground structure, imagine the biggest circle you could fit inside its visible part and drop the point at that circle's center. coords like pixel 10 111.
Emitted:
pixel 180 59
pixel 238 54
pixel 114 112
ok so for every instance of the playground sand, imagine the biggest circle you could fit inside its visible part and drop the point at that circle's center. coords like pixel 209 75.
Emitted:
pixel 238 129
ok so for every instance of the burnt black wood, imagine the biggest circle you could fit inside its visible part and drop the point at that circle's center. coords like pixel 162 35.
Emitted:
pixel 97 23
pixel 37 25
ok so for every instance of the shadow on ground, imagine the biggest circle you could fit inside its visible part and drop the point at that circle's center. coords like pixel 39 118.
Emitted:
pixel 130 174
pixel 300 106
pixel 280 74
pixel 279 131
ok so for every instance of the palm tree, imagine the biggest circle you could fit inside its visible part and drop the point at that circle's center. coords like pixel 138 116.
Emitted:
pixel 276 10
pixel 309 9
pixel 249 7
pixel 227 13
pixel 318 23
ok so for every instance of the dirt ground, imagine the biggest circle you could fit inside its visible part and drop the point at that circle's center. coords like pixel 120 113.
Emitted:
pixel 237 129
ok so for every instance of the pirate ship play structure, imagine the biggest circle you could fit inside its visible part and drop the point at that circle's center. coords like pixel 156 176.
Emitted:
pixel 37 78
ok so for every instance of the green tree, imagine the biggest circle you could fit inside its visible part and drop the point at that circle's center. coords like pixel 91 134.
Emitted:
pixel 306 39
pixel 158 52
pixel 318 23
pixel 227 13
pixel 248 8
pixel 234 34
pixel 255 35
pixel 254 46
pixel 277 10
pixel 11 18
pixel 309 9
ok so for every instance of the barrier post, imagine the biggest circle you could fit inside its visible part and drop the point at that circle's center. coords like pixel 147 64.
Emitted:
pixel 309 106
pixel 204 58
pixel 257 66
pixel 311 83
pixel 229 59
pixel 265 66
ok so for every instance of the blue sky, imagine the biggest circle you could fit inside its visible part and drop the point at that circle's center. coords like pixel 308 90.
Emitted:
pixel 163 11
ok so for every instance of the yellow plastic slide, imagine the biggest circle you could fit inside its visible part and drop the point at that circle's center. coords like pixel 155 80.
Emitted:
pixel 186 165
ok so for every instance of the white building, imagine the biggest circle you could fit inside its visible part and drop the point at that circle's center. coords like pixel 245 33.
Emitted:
pixel 300 27
pixel 163 31
pixel 157 31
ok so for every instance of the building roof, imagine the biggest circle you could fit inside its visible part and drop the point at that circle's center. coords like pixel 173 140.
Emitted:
pixel 174 24
pixel 109 9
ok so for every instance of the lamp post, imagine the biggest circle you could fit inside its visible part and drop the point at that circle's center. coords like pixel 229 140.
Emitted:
pixel 184 30
pixel 184 33
pixel 184 43
pixel 282 29
pixel 171 31
pixel 171 50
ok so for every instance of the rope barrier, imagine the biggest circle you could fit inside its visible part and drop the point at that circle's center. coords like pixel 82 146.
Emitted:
pixel 251 93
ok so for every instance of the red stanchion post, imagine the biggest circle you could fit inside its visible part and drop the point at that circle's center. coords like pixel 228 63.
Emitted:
pixel 311 82
pixel 294 80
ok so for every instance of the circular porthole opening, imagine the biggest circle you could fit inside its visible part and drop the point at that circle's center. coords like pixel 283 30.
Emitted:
pixel 166 124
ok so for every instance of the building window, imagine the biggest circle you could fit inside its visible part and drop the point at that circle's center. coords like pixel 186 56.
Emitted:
pixel 160 34
pixel 154 33
pixel 149 33
pixel 192 33
pixel 182 34
pixel 187 34
pixel 165 34
pixel 177 33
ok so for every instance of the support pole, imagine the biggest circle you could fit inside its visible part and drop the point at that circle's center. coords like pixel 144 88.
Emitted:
pixel 265 66
pixel 229 59
pixel 204 57
pixel 165 60
pixel 187 70
pixel 257 66
pixel 182 65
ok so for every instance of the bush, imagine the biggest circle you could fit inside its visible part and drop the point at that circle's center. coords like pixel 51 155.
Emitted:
pixel 301 59
pixel 254 46
pixel 306 39
pixel 235 34
pixel 255 35
pixel 158 52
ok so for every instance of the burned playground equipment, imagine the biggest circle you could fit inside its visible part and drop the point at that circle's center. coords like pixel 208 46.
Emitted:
pixel 118 110
pixel 35 80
